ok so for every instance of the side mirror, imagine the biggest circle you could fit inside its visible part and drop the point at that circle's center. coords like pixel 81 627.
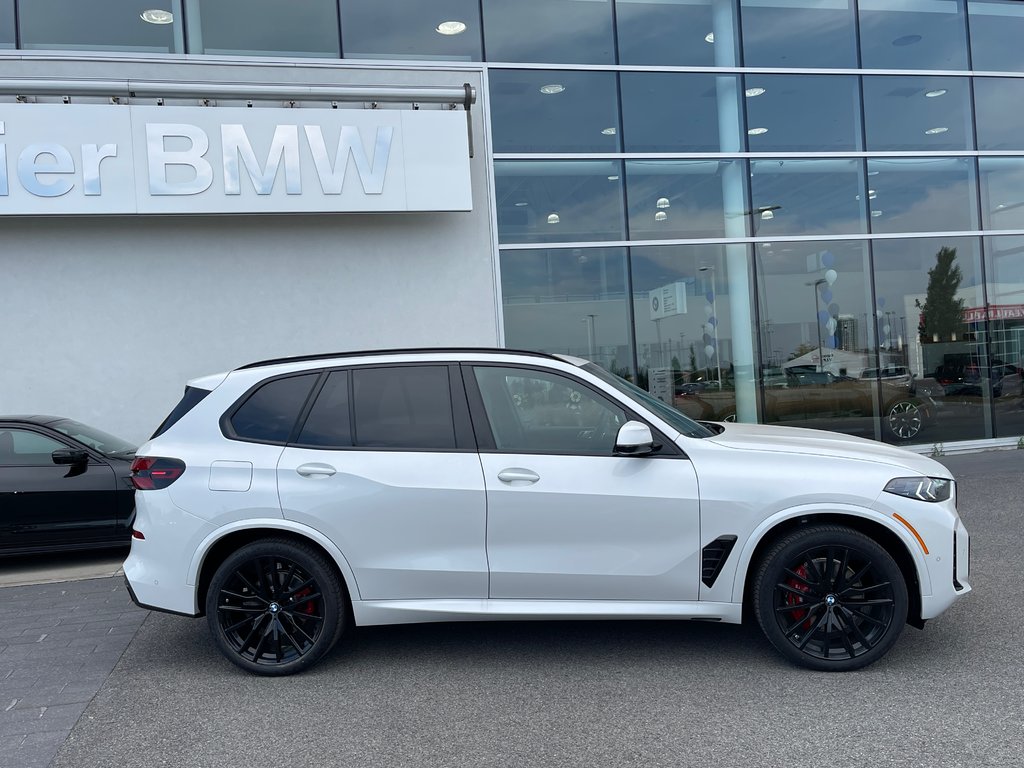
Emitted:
pixel 70 456
pixel 634 439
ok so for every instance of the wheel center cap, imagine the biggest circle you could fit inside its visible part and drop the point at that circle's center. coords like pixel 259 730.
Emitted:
pixel 830 600
pixel 274 608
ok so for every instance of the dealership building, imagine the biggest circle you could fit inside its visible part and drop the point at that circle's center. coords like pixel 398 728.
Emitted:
pixel 805 212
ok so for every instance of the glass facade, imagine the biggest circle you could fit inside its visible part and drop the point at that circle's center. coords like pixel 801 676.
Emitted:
pixel 804 212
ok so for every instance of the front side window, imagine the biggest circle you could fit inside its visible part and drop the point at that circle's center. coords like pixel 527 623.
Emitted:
pixel 541 412
pixel 22 448
pixel 269 414
pixel 403 407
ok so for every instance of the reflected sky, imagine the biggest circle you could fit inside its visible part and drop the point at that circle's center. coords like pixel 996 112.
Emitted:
pixel 909 34
pixel 674 112
pixel 664 34
pixel 801 113
pixel 1002 192
pixel 309 28
pixel 997 105
pixel 922 194
pixel 799 33
pixel 556 31
pixel 408 29
pixel 917 113
pixel 807 197
pixel 997 28
pixel 110 25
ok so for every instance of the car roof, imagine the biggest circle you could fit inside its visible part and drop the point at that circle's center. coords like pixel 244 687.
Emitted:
pixel 34 419
pixel 411 351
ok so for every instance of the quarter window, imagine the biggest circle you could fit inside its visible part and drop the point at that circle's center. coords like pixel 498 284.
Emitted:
pixel 269 414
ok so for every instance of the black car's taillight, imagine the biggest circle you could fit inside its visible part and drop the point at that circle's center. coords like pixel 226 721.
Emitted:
pixel 151 473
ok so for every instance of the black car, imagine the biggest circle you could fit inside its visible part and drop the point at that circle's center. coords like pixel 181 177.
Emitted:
pixel 63 485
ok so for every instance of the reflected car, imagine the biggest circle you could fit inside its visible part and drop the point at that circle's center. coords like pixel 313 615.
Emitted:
pixel 63 486
pixel 290 499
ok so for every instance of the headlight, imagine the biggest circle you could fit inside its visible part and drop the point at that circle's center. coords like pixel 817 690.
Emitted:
pixel 921 488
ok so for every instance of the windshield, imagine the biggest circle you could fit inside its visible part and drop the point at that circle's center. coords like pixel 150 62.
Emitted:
pixel 94 438
pixel 686 425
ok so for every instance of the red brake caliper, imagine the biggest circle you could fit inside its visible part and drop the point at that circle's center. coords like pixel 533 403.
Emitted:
pixel 792 599
pixel 308 608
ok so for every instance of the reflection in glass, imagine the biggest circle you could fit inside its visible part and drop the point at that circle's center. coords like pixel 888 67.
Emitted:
pixel 112 25
pixel 7 24
pixel 410 29
pixel 909 34
pixel 559 200
pixel 663 34
pixel 1004 266
pixel 917 113
pixel 922 194
pixel 676 112
pixel 929 292
pixel 685 334
pixel 569 301
pixel 798 33
pixel 676 198
pixel 539 110
pixel 997 112
pixel 1002 192
pixel 805 197
pixel 997 27
pixel 803 113
pixel 263 27
pixel 555 31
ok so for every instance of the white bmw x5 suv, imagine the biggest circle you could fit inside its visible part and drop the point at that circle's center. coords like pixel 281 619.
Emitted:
pixel 290 499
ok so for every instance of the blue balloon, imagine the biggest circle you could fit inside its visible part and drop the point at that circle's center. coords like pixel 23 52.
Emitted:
pixel 713 320
pixel 827 258
pixel 710 296
pixel 831 342
pixel 826 295
pixel 823 317
pixel 881 302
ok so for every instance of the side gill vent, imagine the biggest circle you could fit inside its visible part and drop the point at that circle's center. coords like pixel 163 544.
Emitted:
pixel 714 556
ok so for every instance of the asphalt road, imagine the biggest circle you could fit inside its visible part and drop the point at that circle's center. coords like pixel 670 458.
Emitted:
pixel 592 694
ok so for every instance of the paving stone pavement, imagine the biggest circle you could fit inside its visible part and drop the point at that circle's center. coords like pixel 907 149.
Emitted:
pixel 58 644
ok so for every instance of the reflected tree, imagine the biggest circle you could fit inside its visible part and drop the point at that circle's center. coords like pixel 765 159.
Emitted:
pixel 942 313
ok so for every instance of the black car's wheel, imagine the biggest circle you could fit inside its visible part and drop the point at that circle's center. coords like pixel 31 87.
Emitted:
pixel 904 419
pixel 275 607
pixel 830 598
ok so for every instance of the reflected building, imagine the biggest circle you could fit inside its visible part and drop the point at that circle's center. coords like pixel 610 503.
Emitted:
pixel 798 212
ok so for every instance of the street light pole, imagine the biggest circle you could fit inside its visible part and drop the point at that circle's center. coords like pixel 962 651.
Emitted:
pixel 817 320
pixel 714 312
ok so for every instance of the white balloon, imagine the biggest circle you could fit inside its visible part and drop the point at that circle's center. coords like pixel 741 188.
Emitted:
pixel 886 328
pixel 831 325
pixel 709 350
pixel 708 310
pixel 831 276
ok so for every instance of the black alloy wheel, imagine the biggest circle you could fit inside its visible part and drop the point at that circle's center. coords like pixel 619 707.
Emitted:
pixel 275 607
pixel 830 598
pixel 904 419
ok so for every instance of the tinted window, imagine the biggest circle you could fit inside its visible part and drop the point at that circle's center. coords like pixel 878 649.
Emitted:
pixel 798 33
pixel 269 414
pixel 406 407
pixel 557 31
pixel 192 397
pixel 411 29
pixel 263 27
pixel 111 25
pixel 329 423
pixel 19 447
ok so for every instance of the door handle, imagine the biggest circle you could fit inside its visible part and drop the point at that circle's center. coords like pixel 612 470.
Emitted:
pixel 516 476
pixel 315 470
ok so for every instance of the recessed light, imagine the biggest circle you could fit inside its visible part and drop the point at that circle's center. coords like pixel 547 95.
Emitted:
pixel 451 28
pixel 757 131
pixel 873 173
pixel 876 214
pixel 709 37
pixel 872 194
pixel 752 92
pixel 552 88
pixel 933 131
pixel 660 216
pixel 936 92
pixel 613 178
pixel 663 202
pixel 157 16
pixel 899 42
pixel 610 131
pixel 521 204
pixel 554 218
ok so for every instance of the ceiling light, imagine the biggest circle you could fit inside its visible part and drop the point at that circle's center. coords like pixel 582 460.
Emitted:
pixel 767 215
pixel 521 204
pixel 610 131
pixel 663 202
pixel 451 28
pixel 875 214
pixel 752 92
pixel 660 216
pixel 757 131
pixel 157 16
pixel 554 218
pixel 872 194
pixel 873 173
pixel 709 37
pixel 552 88
pixel 933 131
pixel 613 178
pixel 936 92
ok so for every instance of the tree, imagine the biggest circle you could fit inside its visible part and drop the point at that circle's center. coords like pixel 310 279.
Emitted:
pixel 942 313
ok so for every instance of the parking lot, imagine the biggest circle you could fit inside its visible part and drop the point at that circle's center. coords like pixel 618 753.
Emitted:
pixel 559 694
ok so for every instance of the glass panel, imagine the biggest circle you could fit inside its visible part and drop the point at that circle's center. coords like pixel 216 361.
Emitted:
pixel 997 27
pixel 927 289
pixel 329 423
pixel 408 407
pixel 263 27
pixel 1004 265
pixel 820 361
pixel 1002 192
pixel 915 113
pixel 125 25
pixel 570 301
pixel 7 36
pixel 540 110
pixel 672 112
pixel 997 103
pixel 411 29
pixel 20 447
pixel 676 198
pixel 913 34
pixel 555 31
pixel 559 200
pixel 922 194
pixel 780 119
pixel 797 197
pixel 270 413
pixel 799 33
pixel 665 34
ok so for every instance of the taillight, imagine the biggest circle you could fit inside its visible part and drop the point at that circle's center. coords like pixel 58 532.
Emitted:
pixel 151 473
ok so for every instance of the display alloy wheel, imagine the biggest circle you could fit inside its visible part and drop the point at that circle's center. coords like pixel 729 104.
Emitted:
pixel 904 419
pixel 830 598
pixel 275 607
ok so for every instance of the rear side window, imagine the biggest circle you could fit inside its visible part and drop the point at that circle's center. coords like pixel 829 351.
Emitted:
pixel 192 397
pixel 329 424
pixel 406 407
pixel 268 415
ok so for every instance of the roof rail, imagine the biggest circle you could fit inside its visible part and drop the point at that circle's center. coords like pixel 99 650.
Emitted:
pixel 413 350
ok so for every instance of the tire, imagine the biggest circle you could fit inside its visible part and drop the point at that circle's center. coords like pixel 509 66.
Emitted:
pixel 830 598
pixel 276 607
pixel 903 419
